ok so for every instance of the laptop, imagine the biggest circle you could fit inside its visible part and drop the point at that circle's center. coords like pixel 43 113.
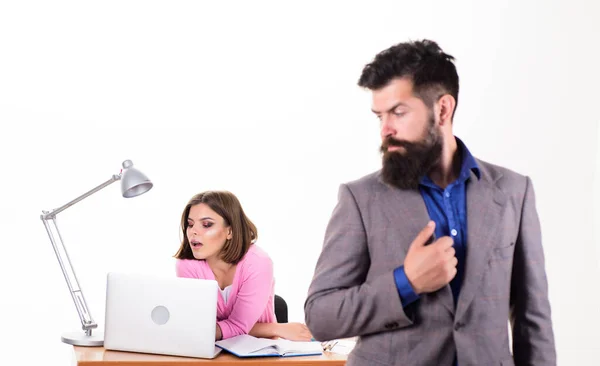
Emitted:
pixel 161 315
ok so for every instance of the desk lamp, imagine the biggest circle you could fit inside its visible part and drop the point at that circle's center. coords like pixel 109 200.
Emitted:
pixel 133 183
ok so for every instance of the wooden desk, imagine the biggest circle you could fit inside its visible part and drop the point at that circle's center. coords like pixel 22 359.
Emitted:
pixel 97 356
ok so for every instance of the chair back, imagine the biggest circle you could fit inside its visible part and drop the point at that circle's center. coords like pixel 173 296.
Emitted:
pixel 281 309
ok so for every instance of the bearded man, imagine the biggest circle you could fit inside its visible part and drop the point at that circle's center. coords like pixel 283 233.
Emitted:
pixel 429 259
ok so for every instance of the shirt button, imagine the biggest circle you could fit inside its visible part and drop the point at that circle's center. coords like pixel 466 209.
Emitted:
pixel 454 232
pixel 447 194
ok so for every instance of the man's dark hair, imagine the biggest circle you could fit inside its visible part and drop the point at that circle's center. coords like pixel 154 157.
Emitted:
pixel 423 62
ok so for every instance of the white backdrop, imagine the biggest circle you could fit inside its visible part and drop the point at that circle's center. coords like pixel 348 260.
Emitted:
pixel 261 99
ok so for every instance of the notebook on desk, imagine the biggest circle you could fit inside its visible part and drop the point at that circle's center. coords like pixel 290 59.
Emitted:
pixel 249 346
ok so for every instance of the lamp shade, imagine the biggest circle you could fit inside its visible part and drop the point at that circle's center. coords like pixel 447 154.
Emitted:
pixel 133 182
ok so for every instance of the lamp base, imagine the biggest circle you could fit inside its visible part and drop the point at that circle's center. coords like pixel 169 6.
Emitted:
pixel 84 340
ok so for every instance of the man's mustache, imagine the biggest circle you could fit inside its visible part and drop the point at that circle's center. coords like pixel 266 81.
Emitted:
pixel 390 141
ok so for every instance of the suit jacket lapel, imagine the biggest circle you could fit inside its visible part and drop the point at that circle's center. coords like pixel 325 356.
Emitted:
pixel 485 205
pixel 408 214
pixel 405 210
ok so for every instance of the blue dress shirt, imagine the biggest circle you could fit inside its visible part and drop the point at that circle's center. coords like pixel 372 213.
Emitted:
pixel 448 208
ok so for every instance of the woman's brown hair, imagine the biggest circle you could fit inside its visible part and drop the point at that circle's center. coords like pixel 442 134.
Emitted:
pixel 226 205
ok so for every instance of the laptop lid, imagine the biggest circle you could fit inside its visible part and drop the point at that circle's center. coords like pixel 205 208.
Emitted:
pixel 161 315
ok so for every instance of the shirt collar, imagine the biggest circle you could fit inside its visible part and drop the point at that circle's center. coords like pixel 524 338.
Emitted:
pixel 468 165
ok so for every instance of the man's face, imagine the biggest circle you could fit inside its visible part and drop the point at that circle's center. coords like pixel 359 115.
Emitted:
pixel 411 140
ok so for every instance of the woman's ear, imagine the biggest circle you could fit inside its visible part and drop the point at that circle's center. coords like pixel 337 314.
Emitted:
pixel 229 233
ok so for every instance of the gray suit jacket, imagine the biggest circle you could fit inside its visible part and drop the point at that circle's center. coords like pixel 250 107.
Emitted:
pixel 353 292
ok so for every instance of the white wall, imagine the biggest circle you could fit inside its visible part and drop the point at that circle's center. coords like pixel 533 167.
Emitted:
pixel 596 223
pixel 260 98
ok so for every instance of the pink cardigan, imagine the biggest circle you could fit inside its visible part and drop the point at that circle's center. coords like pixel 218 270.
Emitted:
pixel 251 299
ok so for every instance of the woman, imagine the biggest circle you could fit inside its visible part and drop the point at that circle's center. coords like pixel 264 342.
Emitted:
pixel 218 244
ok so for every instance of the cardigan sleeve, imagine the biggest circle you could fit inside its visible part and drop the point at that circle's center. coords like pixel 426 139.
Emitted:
pixel 252 296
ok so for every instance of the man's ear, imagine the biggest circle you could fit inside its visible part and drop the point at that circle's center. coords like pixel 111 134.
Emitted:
pixel 446 105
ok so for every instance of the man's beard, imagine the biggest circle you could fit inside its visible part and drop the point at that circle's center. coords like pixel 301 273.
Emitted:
pixel 405 169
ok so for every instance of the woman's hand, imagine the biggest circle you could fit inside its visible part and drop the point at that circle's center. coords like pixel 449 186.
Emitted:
pixel 290 331
pixel 294 332
pixel 218 333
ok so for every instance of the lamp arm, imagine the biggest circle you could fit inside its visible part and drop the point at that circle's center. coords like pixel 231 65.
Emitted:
pixel 49 220
pixel 49 215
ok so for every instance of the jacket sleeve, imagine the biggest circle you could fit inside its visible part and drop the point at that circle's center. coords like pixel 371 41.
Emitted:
pixel 533 338
pixel 340 302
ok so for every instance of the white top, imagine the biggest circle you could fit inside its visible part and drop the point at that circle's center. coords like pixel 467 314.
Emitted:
pixel 225 293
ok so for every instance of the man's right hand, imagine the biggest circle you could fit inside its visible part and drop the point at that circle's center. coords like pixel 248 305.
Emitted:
pixel 430 267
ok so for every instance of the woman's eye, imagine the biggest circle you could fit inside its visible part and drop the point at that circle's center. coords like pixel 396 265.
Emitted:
pixel 190 225
pixel 207 224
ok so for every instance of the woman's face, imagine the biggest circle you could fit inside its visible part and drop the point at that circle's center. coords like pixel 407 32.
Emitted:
pixel 206 232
